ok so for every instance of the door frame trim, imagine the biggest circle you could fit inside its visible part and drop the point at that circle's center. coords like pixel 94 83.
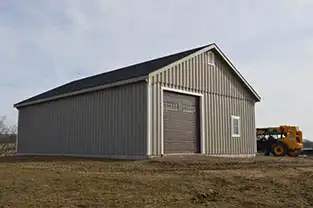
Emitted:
pixel 201 107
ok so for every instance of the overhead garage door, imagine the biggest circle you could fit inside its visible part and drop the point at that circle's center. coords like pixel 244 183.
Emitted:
pixel 181 123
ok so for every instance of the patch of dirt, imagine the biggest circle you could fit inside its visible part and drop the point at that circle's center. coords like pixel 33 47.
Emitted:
pixel 205 197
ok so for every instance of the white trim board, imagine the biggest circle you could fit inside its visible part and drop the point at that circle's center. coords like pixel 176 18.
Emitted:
pixel 202 129
pixel 17 132
pixel 148 117
pixel 232 126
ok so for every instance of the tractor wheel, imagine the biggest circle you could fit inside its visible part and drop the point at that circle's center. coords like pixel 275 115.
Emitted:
pixel 279 149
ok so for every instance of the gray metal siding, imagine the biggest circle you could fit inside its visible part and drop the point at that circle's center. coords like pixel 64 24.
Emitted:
pixel 108 122
pixel 224 95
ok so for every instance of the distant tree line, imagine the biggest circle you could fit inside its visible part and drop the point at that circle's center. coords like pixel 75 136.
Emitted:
pixel 307 143
pixel 7 132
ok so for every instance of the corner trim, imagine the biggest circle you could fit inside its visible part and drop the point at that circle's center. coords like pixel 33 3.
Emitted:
pixel 17 134
pixel 201 106
pixel 148 117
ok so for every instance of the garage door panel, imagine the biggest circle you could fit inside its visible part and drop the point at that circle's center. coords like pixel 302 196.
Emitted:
pixel 175 144
pixel 183 119
pixel 180 147
pixel 177 133
pixel 177 127
pixel 181 123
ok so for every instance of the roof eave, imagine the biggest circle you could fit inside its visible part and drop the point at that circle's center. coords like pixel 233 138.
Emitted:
pixel 88 90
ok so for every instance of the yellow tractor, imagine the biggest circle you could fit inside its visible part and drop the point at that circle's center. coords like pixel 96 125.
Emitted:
pixel 280 141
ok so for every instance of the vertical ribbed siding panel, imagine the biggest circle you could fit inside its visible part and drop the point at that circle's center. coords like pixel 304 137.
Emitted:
pixel 210 117
pixel 247 123
pixel 195 66
pixel 246 146
pixel 179 75
pixel 187 75
pixel 240 143
pixel 205 74
pixel 190 73
pixel 206 113
pixel 223 123
pixel 240 139
pixel 228 126
pixel 210 124
pixel 175 76
pixel 237 113
pixel 183 75
pixel 246 132
pixel 109 122
pixel 218 79
pixel 251 130
pixel 169 78
pixel 254 127
pixel 219 139
pixel 98 124
pixel 232 103
pixel 199 67
pixel 214 124
pixel 193 72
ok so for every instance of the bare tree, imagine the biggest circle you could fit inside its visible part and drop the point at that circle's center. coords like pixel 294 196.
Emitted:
pixel 5 129
pixel 12 129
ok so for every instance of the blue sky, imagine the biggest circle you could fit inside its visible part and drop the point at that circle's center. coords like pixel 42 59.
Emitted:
pixel 49 42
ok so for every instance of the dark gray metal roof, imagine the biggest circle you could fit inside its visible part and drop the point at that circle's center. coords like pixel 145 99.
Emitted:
pixel 125 73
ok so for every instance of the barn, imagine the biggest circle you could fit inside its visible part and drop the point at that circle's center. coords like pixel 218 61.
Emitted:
pixel 191 102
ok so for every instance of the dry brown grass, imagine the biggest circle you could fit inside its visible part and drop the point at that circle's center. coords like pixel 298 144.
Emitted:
pixel 164 182
pixel 7 148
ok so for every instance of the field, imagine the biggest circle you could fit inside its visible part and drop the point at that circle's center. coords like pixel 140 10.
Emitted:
pixel 7 148
pixel 189 181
